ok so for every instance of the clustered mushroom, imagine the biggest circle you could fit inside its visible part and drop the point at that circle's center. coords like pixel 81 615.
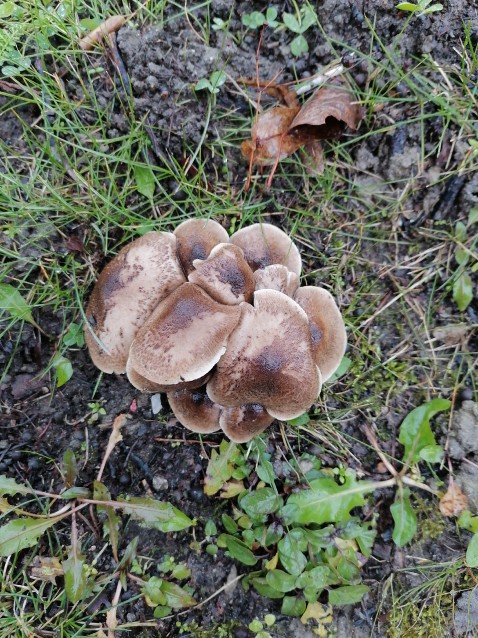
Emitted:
pixel 219 323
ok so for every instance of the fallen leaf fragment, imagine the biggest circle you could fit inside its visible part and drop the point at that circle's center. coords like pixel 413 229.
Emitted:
pixel 112 24
pixel 46 569
pixel 115 437
pixel 454 501
pixel 282 130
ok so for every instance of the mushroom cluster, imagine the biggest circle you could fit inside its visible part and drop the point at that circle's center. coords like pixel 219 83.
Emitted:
pixel 219 323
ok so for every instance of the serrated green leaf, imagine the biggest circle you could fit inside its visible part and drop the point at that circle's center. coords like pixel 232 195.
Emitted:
pixel 463 291
pixel 260 502
pixel 144 178
pixel 472 552
pixel 348 595
pixel 292 559
pixel 326 501
pixel 237 549
pixel 63 370
pixel 220 467
pixel 155 514
pixel 293 606
pixel 415 431
pixel 10 487
pixel 404 518
pixel 280 580
pixel 22 533
pixel 75 577
pixel 11 300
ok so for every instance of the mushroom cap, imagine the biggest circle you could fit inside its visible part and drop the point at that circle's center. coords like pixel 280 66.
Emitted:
pixel 145 385
pixel 195 410
pixel 225 275
pixel 277 277
pixel 245 422
pixel 264 244
pixel 196 238
pixel 327 329
pixel 268 359
pixel 184 337
pixel 141 275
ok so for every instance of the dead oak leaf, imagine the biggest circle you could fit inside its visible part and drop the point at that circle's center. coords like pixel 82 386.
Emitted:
pixel 454 501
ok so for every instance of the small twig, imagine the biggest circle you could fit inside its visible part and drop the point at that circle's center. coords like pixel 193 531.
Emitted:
pixel 319 79
pixel 373 442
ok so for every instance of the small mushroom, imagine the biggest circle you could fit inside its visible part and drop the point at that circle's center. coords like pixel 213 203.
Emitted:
pixel 141 275
pixel 264 244
pixel 276 277
pixel 225 275
pixel 327 329
pixel 183 339
pixel 268 359
pixel 196 238
pixel 245 422
pixel 195 410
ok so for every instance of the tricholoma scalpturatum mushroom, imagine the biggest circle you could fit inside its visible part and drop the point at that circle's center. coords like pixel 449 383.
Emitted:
pixel 218 323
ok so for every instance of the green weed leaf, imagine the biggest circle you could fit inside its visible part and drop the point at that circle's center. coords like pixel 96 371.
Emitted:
pixel 280 580
pixel 69 467
pixel 415 431
pixel 291 22
pixel 404 518
pixel 341 370
pixel 472 552
pixel 293 606
pixel 63 370
pixel 463 291
pixel 75 578
pixel 264 589
pixel 113 522
pixel 9 486
pixel 326 501
pixel 144 178
pixel 254 20
pixel 176 597
pixel 12 302
pixel 348 595
pixel 298 46
pixel 237 549
pixel 155 514
pixel 6 9
pixel 220 467
pixel 407 6
pixel 22 533
pixel 292 559
pixel 260 502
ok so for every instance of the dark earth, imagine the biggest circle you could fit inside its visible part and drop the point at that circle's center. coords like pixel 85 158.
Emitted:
pixel 157 456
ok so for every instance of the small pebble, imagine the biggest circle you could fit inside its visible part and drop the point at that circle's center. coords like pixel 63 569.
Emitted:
pixel 160 483
pixel 156 404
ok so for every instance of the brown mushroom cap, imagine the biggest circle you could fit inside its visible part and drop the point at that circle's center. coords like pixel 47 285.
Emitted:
pixel 326 325
pixel 145 385
pixel 277 277
pixel 196 238
pixel 195 410
pixel 245 422
pixel 184 337
pixel 225 275
pixel 264 244
pixel 141 275
pixel 268 359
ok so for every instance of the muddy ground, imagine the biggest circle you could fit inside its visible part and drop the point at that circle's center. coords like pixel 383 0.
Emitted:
pixel 36 426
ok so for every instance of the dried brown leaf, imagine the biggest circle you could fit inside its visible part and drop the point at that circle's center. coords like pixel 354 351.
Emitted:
pixel 112 24
pixel 270 141
pixel 46 568
pixel 328 111
pixel 454 501
pixel 115 437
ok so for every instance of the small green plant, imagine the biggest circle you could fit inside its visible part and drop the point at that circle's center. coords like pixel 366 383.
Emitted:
pixel 211 84
pixel 256 626
pixel 421 8
pixel 464 257
pixel 255 20
pixel 299 23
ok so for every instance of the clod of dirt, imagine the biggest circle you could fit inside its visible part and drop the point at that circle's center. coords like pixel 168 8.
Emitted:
pixel 466 615
pixel 464 432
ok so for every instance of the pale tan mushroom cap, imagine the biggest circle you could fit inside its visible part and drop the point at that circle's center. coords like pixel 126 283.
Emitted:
pixel 225 275
pixel 184 337
pixel 268 359
pixel 276 277
pixel 245 422
pixel 195 410
pixel 196 238
pixel 264 244
pixel 327 329
pixel 141 275
pixel 145 385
